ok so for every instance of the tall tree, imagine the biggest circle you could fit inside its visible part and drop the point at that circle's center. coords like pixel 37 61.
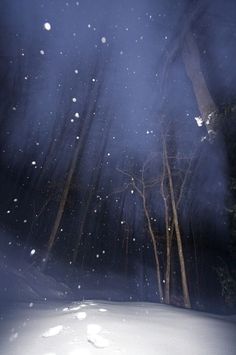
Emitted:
pixel 176 223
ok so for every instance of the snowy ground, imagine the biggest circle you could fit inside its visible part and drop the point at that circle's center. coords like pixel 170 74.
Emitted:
pixel 91 327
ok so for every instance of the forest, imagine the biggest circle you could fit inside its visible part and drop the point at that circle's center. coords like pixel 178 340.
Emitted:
pixel 117 151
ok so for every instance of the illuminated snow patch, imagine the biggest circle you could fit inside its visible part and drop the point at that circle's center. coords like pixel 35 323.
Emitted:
pixel 80 351
pixel 53 331
pixel 75 308
pixel 98 341
pixel 81 315
pixel 95 338
pixel 93 328
pixel 13 337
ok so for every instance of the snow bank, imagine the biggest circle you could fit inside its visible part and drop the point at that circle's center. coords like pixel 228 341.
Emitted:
pixel 115 328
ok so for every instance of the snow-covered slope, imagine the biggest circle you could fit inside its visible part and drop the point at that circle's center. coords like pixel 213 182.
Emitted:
pixel 23 282
pixel 93 327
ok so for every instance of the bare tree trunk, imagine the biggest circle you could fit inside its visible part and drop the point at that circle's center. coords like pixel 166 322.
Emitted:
pixel 125 245
pixel 168 236
pixel 184 282
pixel 154 244
pixel 142 193
pixel 95 179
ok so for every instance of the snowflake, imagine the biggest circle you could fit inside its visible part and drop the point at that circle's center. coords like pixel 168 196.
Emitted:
pixel 47 26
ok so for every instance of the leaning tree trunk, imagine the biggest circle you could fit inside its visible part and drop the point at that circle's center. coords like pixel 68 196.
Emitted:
pixel 86 121
pixel 184 282
pixel 74 162
pixel 206 105
pixel 62 204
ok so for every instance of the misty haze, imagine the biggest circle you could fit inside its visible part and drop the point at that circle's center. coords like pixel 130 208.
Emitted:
pixel 117 177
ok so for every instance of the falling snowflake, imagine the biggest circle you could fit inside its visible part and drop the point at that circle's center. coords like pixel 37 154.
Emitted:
pixel 103 40
pixel 47 26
